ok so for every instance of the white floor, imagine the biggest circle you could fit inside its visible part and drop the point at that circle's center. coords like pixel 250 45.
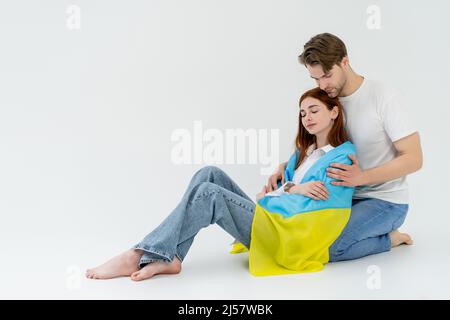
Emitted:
pixel 209 272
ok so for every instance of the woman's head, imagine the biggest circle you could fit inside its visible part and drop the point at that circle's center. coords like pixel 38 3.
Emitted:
pixel 319 116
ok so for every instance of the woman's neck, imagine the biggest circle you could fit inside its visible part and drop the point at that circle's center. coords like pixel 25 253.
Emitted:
pixel 321 140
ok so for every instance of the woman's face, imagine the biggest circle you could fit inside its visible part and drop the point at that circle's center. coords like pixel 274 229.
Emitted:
pixel 316 118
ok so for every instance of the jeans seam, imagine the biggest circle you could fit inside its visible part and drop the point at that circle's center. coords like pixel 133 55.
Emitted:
pixel 207 194
pixel 203 195
pixel 152 250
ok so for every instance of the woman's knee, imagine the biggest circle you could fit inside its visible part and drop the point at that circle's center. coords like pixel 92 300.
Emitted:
pixel 210 169
pixel 205 188
pixel 208 173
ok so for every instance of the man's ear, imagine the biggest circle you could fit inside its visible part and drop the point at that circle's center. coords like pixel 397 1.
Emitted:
pixel 344 62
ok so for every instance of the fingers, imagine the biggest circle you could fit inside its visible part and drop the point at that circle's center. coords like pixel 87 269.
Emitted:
pixel 338 172
pixel 270 183
pixel 341 166
pixel 335 176
pixel 353 158
pixel 282 178
pixel 318 191
pixel 274 183
pixel 321 191
pixel 318 195
pixel 341 183
pixel 312 196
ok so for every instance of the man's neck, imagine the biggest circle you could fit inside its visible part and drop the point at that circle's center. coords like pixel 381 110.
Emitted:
pixel 353 83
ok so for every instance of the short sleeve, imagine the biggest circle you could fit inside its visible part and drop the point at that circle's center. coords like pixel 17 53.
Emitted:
pixel 397 118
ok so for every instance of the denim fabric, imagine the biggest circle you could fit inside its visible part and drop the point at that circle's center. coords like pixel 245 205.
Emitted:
pixel 211 197
pixel 367 231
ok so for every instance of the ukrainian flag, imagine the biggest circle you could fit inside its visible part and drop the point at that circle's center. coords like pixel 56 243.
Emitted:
pixel 292 233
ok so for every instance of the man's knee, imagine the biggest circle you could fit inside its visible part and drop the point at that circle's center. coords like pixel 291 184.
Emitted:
pixel 339 246
pixel 334 254
pixel 397 224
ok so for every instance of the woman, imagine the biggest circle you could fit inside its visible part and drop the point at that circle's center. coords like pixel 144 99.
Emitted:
pixel 213 197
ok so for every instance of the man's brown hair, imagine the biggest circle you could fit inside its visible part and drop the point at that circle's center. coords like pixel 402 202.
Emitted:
pixel 325 49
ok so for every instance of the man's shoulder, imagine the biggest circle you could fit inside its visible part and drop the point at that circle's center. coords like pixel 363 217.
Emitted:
pixel 380 89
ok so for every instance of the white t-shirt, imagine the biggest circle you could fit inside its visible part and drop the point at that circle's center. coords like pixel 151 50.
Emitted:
pixel 375 117
pixel 312 155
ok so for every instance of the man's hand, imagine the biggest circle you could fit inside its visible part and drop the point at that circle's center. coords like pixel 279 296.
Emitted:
pixel 277 175
pixel 350 175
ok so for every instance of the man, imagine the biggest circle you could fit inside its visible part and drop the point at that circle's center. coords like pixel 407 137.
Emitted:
pixel 388 149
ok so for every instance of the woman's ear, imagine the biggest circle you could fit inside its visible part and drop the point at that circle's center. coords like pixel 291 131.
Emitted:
pixel 334 112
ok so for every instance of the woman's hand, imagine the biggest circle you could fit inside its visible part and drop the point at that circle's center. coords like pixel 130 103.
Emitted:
pixel 314 189
pixel 277 175
pixel 261 193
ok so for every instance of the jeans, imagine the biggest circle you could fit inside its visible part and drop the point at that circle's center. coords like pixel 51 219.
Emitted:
pixel 367 231
pixel 211 197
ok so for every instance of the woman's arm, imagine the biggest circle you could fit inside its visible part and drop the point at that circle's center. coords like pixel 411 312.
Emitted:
pixel 272 183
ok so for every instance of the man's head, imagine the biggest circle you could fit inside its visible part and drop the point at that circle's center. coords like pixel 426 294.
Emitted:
pixel 325 57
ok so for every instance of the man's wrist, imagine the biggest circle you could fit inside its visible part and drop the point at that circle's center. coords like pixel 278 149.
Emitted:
pixel 365 178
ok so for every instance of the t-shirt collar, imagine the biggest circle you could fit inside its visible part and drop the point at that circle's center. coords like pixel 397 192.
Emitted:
pixel 324 149
pixel 356 93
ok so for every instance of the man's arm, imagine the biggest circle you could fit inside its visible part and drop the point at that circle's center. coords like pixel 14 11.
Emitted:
pixel 408 160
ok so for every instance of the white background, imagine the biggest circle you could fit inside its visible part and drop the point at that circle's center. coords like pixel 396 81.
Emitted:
pixel 86 118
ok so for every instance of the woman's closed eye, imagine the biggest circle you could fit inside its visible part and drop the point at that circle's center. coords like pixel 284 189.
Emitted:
pixel 304 114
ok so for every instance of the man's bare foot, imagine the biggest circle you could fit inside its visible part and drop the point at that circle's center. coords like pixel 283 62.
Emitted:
pixel 398 238
pixel 157 267
pixel 122 265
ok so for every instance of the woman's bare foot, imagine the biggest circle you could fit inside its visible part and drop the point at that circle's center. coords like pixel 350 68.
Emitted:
pixel 398 238
pixel 122 265
pixel 157 267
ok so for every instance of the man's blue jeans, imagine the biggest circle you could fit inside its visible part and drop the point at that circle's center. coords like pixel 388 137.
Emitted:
pixel 213 197
pixel 367 231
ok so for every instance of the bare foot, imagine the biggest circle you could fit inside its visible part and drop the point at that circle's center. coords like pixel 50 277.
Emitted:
pixel 157 267
pixel 398 238
pixel 122 265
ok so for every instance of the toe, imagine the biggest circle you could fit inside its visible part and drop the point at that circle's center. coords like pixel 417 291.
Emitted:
pixel 135 276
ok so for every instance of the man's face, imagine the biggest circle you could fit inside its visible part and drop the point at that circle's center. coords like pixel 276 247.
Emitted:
pixel 332 82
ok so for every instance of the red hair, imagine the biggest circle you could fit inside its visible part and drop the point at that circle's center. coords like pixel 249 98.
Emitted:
pixel 337 134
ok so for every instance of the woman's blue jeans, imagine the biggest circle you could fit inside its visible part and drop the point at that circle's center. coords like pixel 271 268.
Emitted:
pixel 211 197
